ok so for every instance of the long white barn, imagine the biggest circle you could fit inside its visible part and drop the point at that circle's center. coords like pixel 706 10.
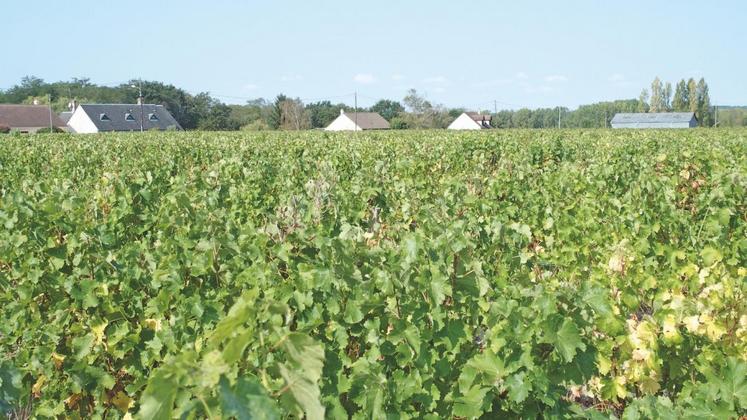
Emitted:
pixel 655 120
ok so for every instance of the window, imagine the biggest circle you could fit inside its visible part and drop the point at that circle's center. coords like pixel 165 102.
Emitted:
pixel 129 117
pixel 104 117
pixel 153 117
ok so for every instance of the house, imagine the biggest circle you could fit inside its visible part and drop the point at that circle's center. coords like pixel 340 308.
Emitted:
pixel 97 118
pixel 29 118
pixel 655 120
pixel 355 121
pixel 470 121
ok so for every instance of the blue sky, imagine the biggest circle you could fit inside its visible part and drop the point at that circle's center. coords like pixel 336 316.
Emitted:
pixel 531 53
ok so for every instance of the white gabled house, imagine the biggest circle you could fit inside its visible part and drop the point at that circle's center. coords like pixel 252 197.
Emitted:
pixel 470 121
pixel 357 121
pixel 97 118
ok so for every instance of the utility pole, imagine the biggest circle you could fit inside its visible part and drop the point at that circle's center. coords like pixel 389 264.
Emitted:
pixel 49 102
pixel 495 107
pixel 558 116
pixel 715 123
pixel 140 100
pixel 356 110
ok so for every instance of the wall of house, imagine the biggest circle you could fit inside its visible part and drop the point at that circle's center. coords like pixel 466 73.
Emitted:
pixel 342 123
pixel 464 122
pixel 81 123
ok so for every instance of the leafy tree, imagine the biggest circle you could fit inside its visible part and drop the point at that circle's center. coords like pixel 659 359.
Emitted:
pixel 522 118
pixel 704 112
pixel 643 101
pixel 667 97
pixel 276 113
pixel 388 109
pixel 399 123
pixel 657 96
pixel 502 119
pixel 322 113
pixel 217 117
pixel 293 115
pixel 681 101
pixel 692 89
pixel 254 111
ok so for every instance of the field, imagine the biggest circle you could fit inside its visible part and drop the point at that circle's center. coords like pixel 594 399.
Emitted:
pixel 423 274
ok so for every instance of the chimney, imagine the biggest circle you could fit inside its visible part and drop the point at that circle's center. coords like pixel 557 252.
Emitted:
pixel 139 100
pixel 72 105
pixel 342 112
pixel 36 101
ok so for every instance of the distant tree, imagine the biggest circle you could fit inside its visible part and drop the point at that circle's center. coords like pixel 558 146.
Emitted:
pixel 502 119
pixel 321 114
pixel 681 101
pixel 398 123
pixel 422 113
pixel 257 125
pixel 643 101
pixel 217 118
pixel 667 97
pixel 522 118
pixel 387 108
pixel 657 96
pixel 294 115
pixel 250 113
pixel 692 89
pixel 276 113
pixel 704 104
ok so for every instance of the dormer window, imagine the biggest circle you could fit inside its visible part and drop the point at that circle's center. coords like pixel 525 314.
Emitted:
pixel 153 117
pixel 129 117
pixel 104 117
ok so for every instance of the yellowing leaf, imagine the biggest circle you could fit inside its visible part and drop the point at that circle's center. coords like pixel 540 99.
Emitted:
pixel 122 401
pixel 36 389
pixel 58 359
pixel 153 324
pixel 98 332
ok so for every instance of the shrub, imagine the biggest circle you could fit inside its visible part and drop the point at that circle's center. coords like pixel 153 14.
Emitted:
pixel 47 130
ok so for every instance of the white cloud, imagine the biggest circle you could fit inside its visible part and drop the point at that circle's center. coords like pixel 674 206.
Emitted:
pixel 521 75
pixel 251 86
pixel 438 90
pixel 398 77
pixel 554 78
pixel 617 77
pixel 529 88
pixel 493 83
pixel 291 77
pixel 364 78
pixel 436 80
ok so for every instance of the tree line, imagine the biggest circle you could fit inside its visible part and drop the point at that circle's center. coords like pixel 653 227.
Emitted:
pixel 689 96
pixel 204 112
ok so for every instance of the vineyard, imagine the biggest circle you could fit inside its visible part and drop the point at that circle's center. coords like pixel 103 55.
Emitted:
pixel 502 274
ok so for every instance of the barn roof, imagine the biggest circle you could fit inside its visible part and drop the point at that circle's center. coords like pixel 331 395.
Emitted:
pixel 653 118
pixel 28 116
pixel 368 120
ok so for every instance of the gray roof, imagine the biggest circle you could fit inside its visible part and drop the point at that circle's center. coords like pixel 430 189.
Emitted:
pixel 653 118
pixel 368 120
pixel 476 116
pixel 154 117
pixel 65 116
